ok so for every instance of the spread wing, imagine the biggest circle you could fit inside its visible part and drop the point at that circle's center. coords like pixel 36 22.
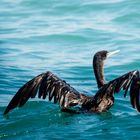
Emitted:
pixel 131 79
pixel 47 84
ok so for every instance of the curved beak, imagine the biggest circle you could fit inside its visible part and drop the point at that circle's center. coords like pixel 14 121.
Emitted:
pixel 112 53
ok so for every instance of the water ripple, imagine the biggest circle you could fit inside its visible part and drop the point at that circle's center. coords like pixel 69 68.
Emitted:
pixel 62 36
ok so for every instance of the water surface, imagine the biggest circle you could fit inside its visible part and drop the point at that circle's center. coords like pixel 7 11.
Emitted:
pixel 62 37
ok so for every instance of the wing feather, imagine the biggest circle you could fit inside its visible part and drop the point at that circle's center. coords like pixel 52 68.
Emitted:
pixel 129 80
pixel 46 84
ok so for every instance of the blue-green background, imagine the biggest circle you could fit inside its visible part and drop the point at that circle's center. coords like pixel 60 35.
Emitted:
pixel 62 36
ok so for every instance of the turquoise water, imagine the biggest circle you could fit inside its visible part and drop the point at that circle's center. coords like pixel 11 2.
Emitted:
pixel 62 37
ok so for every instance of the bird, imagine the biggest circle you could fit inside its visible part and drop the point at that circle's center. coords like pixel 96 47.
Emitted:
pixel 49 86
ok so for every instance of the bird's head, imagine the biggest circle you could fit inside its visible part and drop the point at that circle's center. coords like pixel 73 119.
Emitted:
pixel 98 64
pixel 102 55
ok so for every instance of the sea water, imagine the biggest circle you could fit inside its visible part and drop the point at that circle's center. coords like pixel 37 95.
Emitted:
pixel 62 36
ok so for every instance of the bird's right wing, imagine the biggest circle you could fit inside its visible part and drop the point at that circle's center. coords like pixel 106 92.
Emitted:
pixel 47 84
pixel 129 80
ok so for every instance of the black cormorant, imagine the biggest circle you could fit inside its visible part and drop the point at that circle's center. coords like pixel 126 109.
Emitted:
pixel 70 100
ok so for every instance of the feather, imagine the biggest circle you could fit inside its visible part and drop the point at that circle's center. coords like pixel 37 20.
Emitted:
pixel 128 80
pixel 45 84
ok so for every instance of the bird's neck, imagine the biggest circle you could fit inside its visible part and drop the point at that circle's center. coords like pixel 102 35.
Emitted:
pixel 98 66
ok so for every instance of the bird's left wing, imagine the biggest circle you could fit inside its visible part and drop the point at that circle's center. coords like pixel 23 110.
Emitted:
pixel 47 85
pixel 130 79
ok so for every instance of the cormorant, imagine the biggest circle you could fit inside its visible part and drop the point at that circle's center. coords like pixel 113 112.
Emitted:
pixel 70 100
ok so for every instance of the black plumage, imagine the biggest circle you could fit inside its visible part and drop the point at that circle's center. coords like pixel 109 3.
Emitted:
pixel 49 85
